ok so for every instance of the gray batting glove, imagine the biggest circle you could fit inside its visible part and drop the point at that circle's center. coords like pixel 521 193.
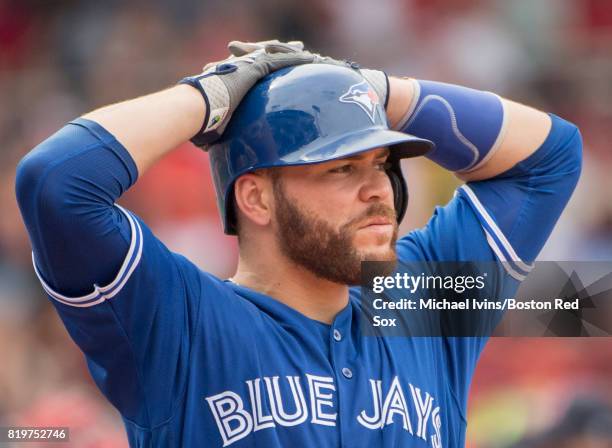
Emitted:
pixel 223 84
pixel 376 78
pixel 239 48
pixel 379 81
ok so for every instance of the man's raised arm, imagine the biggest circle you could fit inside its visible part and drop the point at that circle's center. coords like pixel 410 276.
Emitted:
pixel 521 165
pixel 521 129
pixel 67 186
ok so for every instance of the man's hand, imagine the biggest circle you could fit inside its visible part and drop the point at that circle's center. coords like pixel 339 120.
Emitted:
pixel 239 48
pixel 223 84
pixel 376 78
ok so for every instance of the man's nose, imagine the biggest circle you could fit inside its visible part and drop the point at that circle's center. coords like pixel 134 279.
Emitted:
pixel 376 187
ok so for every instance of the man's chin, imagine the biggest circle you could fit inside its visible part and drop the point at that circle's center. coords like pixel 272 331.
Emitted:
pixel 380 249
pixel 385 264
pixel 378 254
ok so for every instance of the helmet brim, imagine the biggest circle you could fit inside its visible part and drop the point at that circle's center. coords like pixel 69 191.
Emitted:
pixel 401 145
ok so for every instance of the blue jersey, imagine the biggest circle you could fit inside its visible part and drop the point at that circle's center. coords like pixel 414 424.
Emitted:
pixel 189 359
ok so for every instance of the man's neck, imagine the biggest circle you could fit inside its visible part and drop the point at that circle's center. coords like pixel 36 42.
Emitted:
pixel 294 286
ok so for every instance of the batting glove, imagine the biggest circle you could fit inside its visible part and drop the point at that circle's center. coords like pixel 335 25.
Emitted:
pixel 377 79
pixel 223 84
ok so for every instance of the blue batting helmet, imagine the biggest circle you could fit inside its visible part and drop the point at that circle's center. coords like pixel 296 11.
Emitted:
pixel 307 114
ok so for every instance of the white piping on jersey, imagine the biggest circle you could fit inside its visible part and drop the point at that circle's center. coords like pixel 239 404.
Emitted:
pixel 502 258
pixel 102 293
pixel 496 229
pixel 497 240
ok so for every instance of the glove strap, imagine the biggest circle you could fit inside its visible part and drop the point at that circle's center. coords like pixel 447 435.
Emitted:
pixel 217 99
pixel 194 81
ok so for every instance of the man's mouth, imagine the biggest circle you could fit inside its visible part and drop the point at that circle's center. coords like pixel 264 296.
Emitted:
pixel 376 222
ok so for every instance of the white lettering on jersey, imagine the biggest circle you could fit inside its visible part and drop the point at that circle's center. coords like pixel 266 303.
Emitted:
pixel 227 407
pixel 423 409
pixel 374 422
pixel 276 402
pixel 260 421
pixel 318 399
pixel 395 403
pixel 436 439
pixel 235 422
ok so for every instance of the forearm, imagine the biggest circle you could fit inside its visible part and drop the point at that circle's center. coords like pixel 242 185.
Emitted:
pixel 523 132
pixel 152 125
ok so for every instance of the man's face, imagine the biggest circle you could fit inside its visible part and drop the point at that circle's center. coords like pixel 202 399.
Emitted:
pixel 333 215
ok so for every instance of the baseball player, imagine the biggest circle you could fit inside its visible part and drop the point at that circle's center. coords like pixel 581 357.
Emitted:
pixel 305 156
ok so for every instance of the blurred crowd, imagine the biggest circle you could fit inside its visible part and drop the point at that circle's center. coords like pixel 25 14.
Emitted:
pixel 60 59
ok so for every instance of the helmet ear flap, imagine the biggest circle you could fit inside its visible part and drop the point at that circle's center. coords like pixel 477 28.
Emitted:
pixel 231 220
pixel 400 189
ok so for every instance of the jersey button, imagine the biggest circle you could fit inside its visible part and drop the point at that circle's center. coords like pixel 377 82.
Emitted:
pixel 337 335
pixel 348 373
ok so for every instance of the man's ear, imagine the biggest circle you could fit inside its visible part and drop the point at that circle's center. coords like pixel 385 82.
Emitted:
pixel 254 198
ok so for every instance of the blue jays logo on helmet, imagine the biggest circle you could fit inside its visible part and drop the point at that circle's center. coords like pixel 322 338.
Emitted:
pixel 364 96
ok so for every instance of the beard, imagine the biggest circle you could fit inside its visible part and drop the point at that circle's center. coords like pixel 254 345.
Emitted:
pixel 328 253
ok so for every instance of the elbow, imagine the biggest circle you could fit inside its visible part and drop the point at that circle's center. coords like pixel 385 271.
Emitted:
pixel 35 167
pixel 573 155
pixel 563 157
pixel 29 178
pixel 40 182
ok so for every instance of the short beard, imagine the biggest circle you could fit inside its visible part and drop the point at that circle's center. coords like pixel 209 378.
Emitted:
pixel 315 245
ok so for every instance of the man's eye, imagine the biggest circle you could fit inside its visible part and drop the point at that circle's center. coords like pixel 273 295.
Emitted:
pixel 383 166
pixel 342 169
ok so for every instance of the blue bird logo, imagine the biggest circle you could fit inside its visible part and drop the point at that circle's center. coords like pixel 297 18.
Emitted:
pixel 364 96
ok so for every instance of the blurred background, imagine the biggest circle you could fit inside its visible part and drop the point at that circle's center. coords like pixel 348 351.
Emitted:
pixel 59 59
